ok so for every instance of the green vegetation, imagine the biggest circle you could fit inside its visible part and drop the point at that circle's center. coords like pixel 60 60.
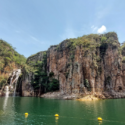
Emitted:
pixel 103 49
pixel 41 80
pixel 99 70
pixel 111 34
pixel 44 82
pixel 53 85
pixel 122 49
pixel 84 42
pixel 123 59
pixel 90 43
pixel 3 81
pixel 86 82
pixel 108 81
pixel 9 55
pixel 103 39
pixel 9 59
pixel 98 58
pixel 87 85
pixel 92 46
pixel 72 57
pixel 51 74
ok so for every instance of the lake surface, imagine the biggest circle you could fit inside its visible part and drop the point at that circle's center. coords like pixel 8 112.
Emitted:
pixel 71 112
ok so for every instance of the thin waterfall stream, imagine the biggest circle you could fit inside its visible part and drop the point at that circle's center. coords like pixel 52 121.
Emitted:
pixel 7 91
pixel 14 79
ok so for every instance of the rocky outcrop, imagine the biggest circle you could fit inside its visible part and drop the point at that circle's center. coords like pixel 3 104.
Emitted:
pixel 95 68
pixel 27 88
pixel 36 57
pixel 104 73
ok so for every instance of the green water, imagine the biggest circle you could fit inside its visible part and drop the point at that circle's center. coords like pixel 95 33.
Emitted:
pixel 41 111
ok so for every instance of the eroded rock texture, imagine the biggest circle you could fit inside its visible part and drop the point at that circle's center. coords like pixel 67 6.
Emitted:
pixel 27 89
pixel 97 69
pixel 72 73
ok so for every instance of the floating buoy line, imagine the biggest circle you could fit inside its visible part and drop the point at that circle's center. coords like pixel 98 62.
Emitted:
pixel 57 117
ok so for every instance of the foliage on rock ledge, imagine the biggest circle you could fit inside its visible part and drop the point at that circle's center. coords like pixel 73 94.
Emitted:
pixel 91 42
pixel 40 79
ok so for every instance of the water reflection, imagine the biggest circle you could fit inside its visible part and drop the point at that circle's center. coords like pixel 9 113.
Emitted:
pixel 6 97
pixel 56 120
pixel 8 114
pixel 100 122
pixel 42 111
pixel 5 103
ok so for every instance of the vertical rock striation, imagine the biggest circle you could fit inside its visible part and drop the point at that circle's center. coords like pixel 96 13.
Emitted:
pixel 88 65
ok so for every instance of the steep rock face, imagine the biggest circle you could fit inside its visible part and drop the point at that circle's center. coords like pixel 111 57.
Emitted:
pixel 94 66
pixel 36 57
pixel 123 65
pixel 101 69
pixel 27 89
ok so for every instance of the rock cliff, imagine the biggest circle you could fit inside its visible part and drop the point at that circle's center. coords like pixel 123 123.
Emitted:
pixel 27 88
pixel 91 64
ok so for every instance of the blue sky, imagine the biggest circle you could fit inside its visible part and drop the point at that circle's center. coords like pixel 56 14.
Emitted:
pixel 33 25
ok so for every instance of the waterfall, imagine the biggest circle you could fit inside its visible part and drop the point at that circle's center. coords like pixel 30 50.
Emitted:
pixel 14 79
pixel 7 91
pixel 14 94
pixel 11 80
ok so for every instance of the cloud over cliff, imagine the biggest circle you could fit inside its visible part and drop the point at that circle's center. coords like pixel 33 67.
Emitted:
pixel 102 29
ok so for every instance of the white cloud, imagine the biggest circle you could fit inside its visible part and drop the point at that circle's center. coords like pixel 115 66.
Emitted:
pixel 102 29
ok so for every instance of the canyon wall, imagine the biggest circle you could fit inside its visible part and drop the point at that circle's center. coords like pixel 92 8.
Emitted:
pixel 90 64
pixel 27 88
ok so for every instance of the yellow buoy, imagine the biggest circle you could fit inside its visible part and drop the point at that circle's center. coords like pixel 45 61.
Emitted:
pixel 26 115
pixel 56 115
pixel 99 119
